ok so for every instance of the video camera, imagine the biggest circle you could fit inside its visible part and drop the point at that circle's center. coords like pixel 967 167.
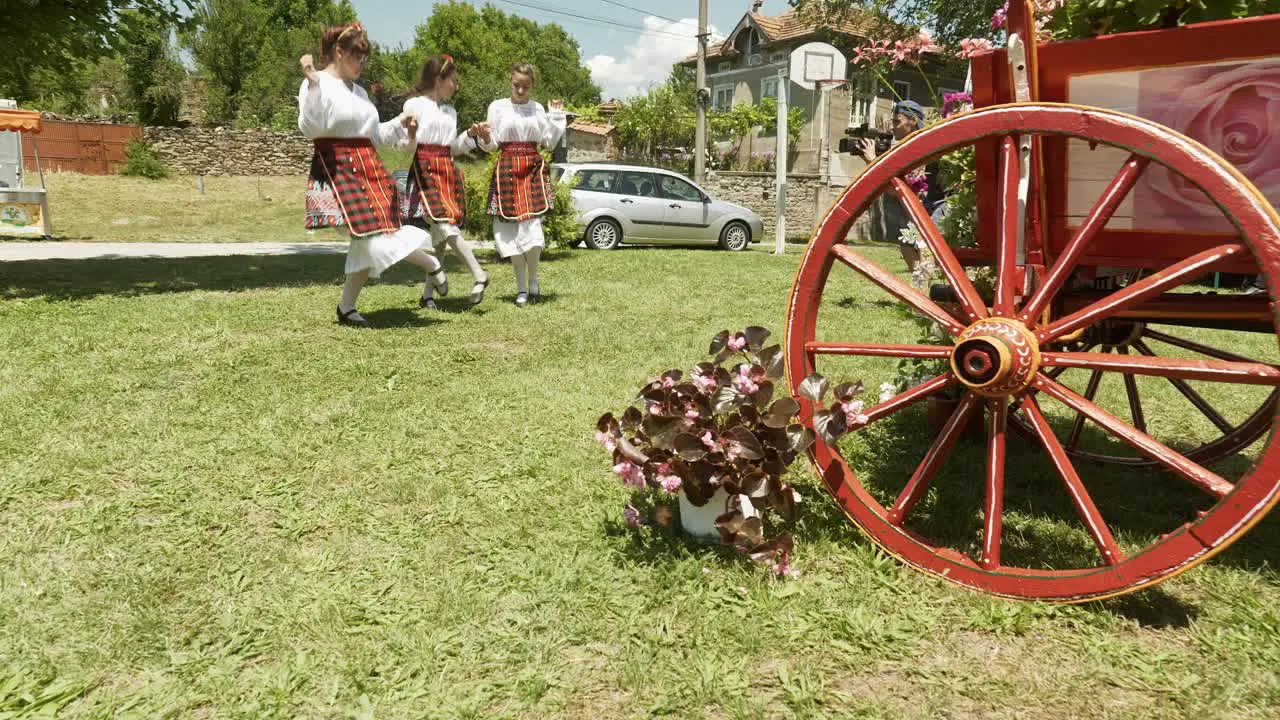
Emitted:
pixel 856 135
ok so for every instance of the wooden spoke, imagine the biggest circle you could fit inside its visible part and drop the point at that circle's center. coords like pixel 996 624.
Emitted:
pixel 1091 391
pixel 877 350
pixel 1007 255
pixel 1189 393
pixel 1135 294
pixel 919 482
pixel 993 509
pixel 1135 402
pixel 908 398
pixel 1201 477
pixel 972 303
pixel 1243 373
pixel 1095 221
pixel 1080 497
pixel 1196 347
pixel 895 287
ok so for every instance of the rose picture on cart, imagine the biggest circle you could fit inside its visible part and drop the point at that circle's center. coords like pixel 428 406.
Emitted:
pixel 1234 109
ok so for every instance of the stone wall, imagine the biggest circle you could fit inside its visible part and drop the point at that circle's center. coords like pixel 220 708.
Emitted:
pixel 221 151
pixel 806 201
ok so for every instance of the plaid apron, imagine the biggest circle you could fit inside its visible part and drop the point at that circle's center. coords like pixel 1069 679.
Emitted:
pixel 521 186
pixel 436 190
pixel 349 187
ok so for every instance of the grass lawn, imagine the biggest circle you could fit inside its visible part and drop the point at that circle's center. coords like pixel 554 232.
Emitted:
pixel 214 502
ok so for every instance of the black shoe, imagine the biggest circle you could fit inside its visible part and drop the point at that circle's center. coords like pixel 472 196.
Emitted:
pixel 522 299
pixel 353 318
pixel 477 296
pixel 443 287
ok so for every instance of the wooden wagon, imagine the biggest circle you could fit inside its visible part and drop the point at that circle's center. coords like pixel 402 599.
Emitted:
pixel 1098 214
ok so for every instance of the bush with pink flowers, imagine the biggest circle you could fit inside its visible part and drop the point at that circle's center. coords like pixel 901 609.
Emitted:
pixel 721 426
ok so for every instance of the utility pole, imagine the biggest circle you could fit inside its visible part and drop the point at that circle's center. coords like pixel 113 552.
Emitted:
pixel 701 98
pixel 780 166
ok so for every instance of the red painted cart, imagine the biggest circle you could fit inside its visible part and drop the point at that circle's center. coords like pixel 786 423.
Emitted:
pixel 1098 218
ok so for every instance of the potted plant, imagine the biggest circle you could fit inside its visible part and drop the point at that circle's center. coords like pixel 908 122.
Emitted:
pixel 718 440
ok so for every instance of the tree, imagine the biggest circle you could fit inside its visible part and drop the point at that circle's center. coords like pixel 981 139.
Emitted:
pixel 248 51
pixel 153 75
pixel 485 42
pixel 48 42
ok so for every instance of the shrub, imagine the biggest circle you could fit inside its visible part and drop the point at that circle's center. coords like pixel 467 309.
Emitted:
pixel 140 160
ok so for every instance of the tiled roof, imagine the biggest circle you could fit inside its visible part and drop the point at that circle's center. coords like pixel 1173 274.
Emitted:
pixel 591 128
pixel 787 27
pixel 609 107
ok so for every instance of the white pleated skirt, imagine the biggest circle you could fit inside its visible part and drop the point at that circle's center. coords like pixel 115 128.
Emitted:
pixel 376 253
pixel 517 238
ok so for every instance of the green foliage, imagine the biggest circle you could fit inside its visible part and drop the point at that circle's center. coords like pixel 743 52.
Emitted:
pixel 141 161
pixel 559 226
pixel 485 42
pixel 152 72
pixel 1097 17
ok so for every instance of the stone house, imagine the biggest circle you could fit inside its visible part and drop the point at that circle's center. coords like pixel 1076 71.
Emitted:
pixel 765 50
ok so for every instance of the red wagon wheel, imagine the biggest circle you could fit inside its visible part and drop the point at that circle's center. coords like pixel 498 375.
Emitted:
pixel 1005 357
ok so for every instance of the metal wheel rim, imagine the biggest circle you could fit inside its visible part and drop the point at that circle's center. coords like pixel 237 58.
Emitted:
pixel 603 235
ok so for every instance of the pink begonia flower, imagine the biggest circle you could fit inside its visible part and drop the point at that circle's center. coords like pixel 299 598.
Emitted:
pixel 783 568
pixel 971 47
pixel 853 415
pixel 744 382
pixel 668 480
pixel 631 474
pixel 709 441
pixel 608 440
pixel 737 343
pixel 918 182
pixel 692 413
pixel 998 20
pixel 668 382
pixel 633 517
pixel 706 384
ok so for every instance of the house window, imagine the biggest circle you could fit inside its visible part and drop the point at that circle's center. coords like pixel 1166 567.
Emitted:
pixel 902 90
pixel 723 97
pixel 724 67
pixel 778 57
pixel 754 59
pixel 769 87
pixel 863 108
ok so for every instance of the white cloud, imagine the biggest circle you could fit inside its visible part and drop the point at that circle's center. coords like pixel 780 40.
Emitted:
pixel 648 60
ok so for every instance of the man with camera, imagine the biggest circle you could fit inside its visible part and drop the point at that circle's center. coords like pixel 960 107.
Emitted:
pixel 888 212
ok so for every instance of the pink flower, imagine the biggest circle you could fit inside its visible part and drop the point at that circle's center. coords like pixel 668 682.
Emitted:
pixel 901 52
pixel 633 517
pixel 706 384
pixel 631 474
pixel 744 382
pixel 853 415
pixel 998 20
pixel 654 408
pixel 668 382
pixel 783 568
pixel 709 441
pixel 737 343
pixel 668 480
pixel 919 182
pixel 692 413
pixel 608 440
pixel 956 102
pixel 970 47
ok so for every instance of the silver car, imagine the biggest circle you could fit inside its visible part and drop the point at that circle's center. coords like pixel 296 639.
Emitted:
pixel 635 204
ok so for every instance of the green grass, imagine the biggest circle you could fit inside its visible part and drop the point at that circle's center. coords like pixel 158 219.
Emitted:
pixel 216 503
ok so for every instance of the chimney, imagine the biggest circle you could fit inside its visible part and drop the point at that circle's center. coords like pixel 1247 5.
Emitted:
pixel 755 5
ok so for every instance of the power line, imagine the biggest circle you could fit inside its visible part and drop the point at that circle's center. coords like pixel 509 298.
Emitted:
pixel 601 21
pixel 646 12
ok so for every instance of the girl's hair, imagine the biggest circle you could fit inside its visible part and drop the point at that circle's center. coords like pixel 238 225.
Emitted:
pixel 524 68
pixel 350 38
pixel 434 69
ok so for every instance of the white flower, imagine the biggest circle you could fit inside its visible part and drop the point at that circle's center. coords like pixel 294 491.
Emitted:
pixel 887 391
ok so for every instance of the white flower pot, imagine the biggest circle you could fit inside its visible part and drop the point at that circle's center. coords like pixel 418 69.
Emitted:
pixel 700 522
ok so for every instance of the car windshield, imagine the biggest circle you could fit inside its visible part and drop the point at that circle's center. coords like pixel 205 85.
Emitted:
pixel 557 173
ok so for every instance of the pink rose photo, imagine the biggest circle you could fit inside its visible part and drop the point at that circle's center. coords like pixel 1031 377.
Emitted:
pixel 1234 109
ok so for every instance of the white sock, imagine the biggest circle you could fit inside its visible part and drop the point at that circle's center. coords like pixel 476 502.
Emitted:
pixel 351 290
pixel 532 258
pixel 518 263
pixel 468 253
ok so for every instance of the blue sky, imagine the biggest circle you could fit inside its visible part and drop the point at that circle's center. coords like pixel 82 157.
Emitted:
pixel 623 60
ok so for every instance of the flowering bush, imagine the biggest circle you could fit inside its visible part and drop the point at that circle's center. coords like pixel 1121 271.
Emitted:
pixel 719 427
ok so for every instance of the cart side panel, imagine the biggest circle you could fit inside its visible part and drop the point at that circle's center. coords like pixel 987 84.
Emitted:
pixel 1212 81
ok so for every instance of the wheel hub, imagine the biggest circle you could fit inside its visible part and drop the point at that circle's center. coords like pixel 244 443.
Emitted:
pixel 996 357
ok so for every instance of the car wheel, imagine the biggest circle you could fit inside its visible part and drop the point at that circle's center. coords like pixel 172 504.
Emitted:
pixel 603 234
pixel 735 237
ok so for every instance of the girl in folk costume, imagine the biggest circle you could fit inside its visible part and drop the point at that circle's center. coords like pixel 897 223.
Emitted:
pixel 521 192
pixel 436 191
pixel 349 185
